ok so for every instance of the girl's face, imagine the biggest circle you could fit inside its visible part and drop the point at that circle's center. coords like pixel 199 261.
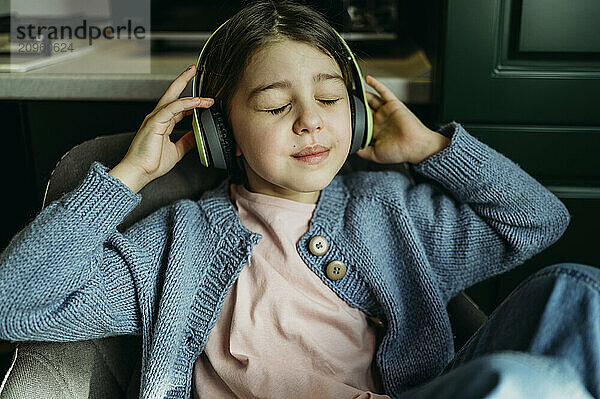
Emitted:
pixel 291 96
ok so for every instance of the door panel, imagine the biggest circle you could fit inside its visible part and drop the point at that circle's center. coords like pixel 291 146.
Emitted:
pixel 488 78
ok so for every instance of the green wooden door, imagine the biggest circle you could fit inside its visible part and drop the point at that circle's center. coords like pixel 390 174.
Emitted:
pixel 523 76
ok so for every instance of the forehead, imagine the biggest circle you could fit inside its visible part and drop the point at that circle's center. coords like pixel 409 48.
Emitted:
pixel 287 60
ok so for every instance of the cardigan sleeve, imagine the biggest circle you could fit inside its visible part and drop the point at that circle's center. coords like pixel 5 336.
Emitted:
pixel 70 275
pixel 496 216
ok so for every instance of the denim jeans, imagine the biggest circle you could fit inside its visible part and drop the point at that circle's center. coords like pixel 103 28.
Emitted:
pixel 543 341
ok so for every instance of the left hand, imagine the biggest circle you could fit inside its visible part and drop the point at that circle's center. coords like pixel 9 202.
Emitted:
pixel 398 134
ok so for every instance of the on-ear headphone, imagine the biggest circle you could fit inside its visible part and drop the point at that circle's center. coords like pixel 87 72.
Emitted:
pixel 216 144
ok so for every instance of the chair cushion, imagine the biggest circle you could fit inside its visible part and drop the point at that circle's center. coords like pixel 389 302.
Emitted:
pixel 91 369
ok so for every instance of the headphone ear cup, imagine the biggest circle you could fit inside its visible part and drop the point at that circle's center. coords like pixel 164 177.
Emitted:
pixel 352 99
pixel 357 111
pixel 225 140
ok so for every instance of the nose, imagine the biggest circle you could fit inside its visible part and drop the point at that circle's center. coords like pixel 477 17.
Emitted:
pixel 308 120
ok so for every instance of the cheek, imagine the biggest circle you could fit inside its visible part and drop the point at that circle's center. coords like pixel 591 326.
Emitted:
pixel 260 143
pixel 244 134
pixel 344 123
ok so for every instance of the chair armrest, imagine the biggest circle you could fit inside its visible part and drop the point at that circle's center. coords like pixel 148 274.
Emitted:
pixel 92 369
pixel 465 318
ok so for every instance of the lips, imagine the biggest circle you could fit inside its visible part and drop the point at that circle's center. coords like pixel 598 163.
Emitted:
pixel 311 150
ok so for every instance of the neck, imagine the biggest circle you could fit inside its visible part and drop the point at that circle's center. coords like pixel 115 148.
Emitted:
pixel 307 198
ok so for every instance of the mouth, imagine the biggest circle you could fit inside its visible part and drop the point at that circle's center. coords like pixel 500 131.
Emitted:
pixel 311 150
pixel 312 155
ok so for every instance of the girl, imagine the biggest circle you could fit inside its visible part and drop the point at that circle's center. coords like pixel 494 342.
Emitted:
pixel 277 283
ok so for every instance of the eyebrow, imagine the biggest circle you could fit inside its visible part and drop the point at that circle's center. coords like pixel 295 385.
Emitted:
pixel 286 84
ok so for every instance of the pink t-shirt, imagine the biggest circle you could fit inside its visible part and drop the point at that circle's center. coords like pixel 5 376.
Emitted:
pixel 283 333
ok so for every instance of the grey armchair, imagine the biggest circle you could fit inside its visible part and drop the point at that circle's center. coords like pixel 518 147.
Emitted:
pixel 110 367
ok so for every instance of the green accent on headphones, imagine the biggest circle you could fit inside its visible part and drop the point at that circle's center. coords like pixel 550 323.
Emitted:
pixel 215 143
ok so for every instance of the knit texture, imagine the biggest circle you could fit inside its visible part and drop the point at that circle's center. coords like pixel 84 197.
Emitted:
pixel 408 249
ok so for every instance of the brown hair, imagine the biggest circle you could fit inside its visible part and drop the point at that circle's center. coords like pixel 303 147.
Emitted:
pixel 256 25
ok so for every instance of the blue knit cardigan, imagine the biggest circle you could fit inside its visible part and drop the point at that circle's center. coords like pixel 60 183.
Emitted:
pixel 408 248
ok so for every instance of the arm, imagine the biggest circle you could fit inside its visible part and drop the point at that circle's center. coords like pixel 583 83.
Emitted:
pixel 68 274
pixel 493 215
pixel 496 217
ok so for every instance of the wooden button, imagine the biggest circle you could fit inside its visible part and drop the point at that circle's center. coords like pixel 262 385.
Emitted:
pixel 318 245
pixel 336 270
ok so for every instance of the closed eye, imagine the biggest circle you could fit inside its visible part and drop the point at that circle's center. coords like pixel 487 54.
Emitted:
pixel 281 109
pixel 277 110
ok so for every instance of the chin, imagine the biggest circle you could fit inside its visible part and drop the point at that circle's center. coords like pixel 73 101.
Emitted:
pixel 312 182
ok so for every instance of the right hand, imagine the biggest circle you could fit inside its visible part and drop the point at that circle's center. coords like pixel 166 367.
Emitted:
pixel 152 153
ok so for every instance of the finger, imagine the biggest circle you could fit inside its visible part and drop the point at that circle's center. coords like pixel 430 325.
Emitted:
pixel 170 111
pixel 374 100
pixel 185 144
pixel 386 93
pixel 367 153
pixel 182 115
pixel 177 86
